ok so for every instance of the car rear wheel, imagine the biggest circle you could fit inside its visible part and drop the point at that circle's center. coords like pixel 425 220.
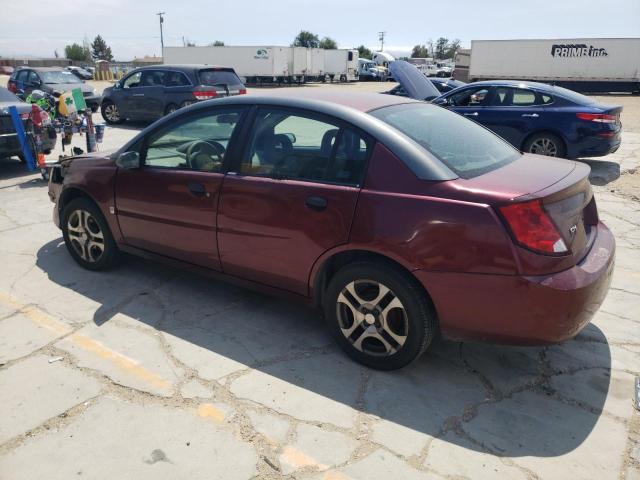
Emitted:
pixel 545 144
pixel 110 113
pixel 379 315
pixel 87 235
pixel 170 109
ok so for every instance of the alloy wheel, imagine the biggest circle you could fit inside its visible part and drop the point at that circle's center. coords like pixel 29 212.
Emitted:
pixel 111 113
pixel 544 146
pixel 85 235
pixel 372 318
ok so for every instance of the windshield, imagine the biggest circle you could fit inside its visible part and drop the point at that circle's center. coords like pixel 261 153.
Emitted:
pixel 462 145
pixel 58 77
pixel 7 96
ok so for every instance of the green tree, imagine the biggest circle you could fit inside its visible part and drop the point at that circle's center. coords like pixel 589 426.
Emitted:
pixel 420 51
pixel 77 52
pixel 452 48
pixel 217 43
pixel 100 50
pixel 441 48
pixel 328 43
pixel 306 39
pixel 364 52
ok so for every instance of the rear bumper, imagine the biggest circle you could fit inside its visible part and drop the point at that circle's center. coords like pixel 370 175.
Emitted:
pixel 523 310
pixel 594 146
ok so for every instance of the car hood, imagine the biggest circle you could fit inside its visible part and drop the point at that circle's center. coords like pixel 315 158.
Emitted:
pixel 65 87
pixel 413 81
pixel 21 106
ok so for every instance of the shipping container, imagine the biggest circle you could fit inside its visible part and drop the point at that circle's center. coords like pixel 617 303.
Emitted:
pixel 581 64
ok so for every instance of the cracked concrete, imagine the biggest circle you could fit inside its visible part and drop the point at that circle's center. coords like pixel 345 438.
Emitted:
pixel 149 372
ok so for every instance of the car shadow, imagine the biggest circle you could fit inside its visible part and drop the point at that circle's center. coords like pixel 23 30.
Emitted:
pixel 602 171
pixel 510 401
pixel 13 168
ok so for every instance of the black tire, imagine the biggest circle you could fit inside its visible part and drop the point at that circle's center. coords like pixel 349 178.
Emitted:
pixel 415 318
pixel 110 253
pixel 172 107
pixel 535 144
pixel 110 113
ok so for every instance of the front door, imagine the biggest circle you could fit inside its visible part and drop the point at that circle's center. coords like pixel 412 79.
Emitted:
pixel 148 99
pixel 169 205
pixel 292 197
pixel 471 103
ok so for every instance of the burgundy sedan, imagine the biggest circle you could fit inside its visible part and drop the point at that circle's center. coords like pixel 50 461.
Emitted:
pixel 402 220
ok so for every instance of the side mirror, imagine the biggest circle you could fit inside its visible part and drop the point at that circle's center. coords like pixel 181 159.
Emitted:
pixel 292 137
pixel 128 160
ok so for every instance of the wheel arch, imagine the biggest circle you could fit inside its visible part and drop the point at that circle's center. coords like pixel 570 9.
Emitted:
pixel 332 262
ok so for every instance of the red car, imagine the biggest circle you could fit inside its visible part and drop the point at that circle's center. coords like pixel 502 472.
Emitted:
pixel 401 219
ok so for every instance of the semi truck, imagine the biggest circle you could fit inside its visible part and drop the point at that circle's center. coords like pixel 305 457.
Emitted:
pixel 272 64
pixel 587 65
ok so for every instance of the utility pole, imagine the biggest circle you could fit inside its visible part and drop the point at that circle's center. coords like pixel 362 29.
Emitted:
pixel 381 38
pixel 160 14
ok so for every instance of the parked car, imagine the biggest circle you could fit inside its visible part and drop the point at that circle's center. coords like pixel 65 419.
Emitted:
pixel 443 85
pixel 403 220
pixel 80 72
pixel 148 93
pixel 533 117
pixel 539 118
pixel 9 143
pixel 53 80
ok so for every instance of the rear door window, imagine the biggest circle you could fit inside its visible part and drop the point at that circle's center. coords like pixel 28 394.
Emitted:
pixel 218 77
pixel 523 98
pixel 302 146
pixel 176 79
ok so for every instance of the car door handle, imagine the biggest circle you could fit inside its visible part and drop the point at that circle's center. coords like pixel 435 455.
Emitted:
pixel 532 115
pixel 138 95
pixel 197 189
pixel 316 203
pixel 474 114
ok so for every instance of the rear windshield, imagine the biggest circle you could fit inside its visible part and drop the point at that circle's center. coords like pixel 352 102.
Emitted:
pixel 219 77
pixel 572 96
pixel 462 145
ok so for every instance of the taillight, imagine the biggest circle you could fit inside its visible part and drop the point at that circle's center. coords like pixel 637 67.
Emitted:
pixel 597 117
pixel 532 227
pixel 242 91
pixel 205 94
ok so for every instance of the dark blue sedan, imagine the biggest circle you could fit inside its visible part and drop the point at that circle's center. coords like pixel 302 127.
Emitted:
pixel 533 117
pixel 540 118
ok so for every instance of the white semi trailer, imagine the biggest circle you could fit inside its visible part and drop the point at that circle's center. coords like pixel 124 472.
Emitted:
pixel 341 65
pixel 581 64
pixel 266 64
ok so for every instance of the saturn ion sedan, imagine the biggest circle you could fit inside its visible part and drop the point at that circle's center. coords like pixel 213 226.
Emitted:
pixel 404 221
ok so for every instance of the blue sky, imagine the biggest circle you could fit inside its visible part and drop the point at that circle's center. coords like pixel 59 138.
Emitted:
pixel 131 27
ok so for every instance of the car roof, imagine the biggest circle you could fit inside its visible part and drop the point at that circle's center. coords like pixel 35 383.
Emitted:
pixel 514 83
pixel 45 69
pixel 182 67
pixel 361 101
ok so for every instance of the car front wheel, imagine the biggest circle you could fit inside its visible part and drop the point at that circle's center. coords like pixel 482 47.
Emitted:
pixel 87 235
pixel 110 113
pixel 379 315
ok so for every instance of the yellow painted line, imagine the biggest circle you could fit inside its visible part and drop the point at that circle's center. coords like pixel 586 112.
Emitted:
pixel 298 459
pixel 88 344
pixel 210 411
pixel 124 363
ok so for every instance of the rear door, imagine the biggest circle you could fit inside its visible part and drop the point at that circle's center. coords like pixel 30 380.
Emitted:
pixel 169 205
pixel 291 198
pixel 514 113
